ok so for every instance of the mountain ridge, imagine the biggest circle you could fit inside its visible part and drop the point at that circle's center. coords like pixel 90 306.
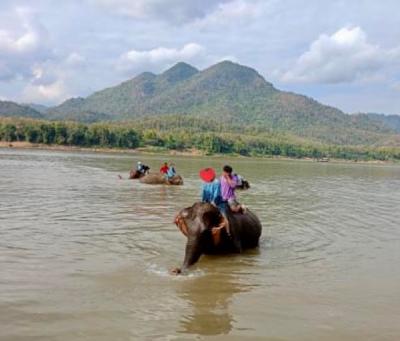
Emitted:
pixel 12 109
pixel 231 94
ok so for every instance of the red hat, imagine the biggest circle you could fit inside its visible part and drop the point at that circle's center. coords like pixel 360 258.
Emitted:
pixel 207 174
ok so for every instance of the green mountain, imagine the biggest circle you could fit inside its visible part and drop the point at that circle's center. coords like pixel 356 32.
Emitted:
pixel 74 109
pixel 391 122
pixel 38 107
pixel 129 99
pixel 181 89
pixel 233 96
pixel 11 109
pixel 229 93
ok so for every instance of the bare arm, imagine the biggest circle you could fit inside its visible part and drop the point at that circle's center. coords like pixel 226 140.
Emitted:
pixel 231 181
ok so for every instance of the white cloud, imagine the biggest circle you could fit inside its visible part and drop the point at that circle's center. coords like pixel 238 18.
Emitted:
pixel 27 42
pixel 396 86
pixel 344 56
pixel 43 75
pixel 27 58
pixel 22 48
pixel 231 13
pixel 75 59
pixel 158 58
pixel 45 93
pixel 50 80
pixel 175 11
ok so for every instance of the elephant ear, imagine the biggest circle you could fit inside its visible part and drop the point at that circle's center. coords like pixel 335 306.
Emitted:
pixel 185 213
pixel 188 213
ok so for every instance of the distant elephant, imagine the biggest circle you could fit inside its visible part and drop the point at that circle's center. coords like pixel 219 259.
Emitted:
pixel 160 179
pixel 196 223
pixel 244 185
pixel 135 174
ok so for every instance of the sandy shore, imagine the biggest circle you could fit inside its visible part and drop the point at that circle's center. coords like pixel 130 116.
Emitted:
pixel 152 150
pixel 144 150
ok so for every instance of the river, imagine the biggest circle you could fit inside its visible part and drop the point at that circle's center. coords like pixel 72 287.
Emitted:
pixel 85 255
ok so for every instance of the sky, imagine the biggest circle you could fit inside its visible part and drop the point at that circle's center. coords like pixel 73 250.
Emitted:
pixel 342 53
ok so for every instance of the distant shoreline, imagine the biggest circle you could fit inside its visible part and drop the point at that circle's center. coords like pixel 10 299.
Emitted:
pixel 55 147
pixel 161 151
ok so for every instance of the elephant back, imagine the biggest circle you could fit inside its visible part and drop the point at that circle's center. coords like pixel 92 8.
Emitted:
pixel 153 179
pixel 160 179
pixel 247 227
pixel 176 180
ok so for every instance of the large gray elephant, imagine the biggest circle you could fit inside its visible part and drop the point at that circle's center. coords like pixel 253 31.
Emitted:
pixel 197 222
pixel 160 179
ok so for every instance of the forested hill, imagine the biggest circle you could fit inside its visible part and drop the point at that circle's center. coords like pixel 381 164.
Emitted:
pixel 391 122
pixel 11 109
pixel 234 96
pixel 229 93
pixel 132 98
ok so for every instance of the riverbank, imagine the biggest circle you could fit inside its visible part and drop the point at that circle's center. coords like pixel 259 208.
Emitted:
pixel 143 150
pixel 163 151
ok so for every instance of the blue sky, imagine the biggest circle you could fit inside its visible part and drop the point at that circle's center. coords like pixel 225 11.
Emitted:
pixel 342 53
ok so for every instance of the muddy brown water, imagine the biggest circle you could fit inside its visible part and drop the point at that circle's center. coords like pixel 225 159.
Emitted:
pixel 85 256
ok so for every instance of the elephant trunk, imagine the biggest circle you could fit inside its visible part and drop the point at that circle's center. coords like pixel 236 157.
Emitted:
pixel 193 252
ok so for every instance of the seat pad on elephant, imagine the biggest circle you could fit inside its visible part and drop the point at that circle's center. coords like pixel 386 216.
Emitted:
pixel 160 179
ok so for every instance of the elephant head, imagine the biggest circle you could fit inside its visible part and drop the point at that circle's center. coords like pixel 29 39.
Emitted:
pixel 245 184
pixel 196 223
pixel 135 174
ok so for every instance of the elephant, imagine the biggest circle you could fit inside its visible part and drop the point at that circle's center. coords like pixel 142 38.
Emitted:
pixel 197 222
pixel 244 185
pixel 135 174
pixel 160 179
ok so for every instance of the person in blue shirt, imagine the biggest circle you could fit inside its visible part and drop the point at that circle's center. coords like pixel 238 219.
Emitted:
pixel 171 172
pixel 211 193
pixel 211 190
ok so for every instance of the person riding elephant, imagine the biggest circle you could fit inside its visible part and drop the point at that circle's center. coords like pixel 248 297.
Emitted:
pixel 228 186
pixel 142 168
pixel 211 193
pixel 140 171
pixel 164 168
pixel 171 172
pixel 242 183
pixel 196 223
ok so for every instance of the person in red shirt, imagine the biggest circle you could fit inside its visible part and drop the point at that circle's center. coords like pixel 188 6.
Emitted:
pixel 164 168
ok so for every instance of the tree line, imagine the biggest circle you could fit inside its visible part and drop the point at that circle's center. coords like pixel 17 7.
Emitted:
pixel 183 135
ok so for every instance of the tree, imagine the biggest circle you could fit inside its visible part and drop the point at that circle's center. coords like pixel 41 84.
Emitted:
pixel 8 132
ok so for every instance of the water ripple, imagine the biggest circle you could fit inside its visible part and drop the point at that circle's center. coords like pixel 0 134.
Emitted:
pixel 77 244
